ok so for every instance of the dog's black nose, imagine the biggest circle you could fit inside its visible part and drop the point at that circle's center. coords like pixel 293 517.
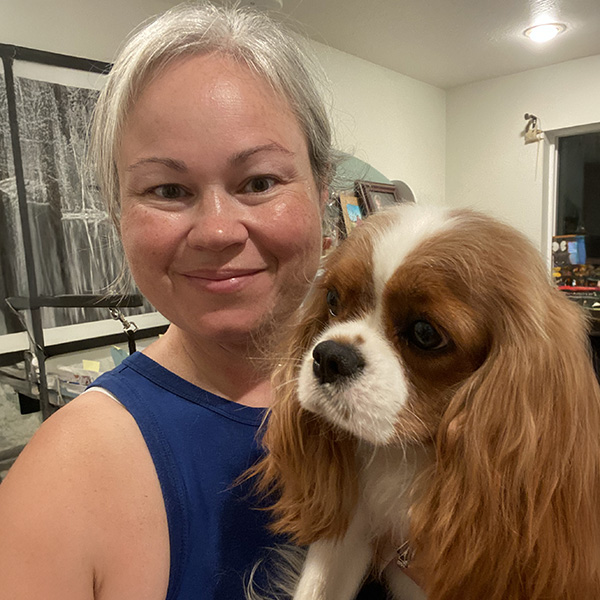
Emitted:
pixel 334 361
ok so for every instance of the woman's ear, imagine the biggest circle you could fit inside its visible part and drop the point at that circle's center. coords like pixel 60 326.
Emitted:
pixel 511 508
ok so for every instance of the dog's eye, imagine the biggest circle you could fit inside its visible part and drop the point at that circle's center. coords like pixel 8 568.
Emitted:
pixel 333 302
pixel 425 336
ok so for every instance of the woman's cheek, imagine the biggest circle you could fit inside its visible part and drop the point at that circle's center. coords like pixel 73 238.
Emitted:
pixel 148 237
pixel 296 223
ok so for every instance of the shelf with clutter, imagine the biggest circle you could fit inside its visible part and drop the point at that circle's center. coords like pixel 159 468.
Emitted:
pixel 576 272
pixel 57 366
pixel 26 370
pixel 357 191
pixel 574 268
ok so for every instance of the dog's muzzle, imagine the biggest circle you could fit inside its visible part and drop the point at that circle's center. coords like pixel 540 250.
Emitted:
pixel 333 362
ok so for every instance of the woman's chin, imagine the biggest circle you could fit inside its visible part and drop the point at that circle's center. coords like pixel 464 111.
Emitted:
pixel 230 329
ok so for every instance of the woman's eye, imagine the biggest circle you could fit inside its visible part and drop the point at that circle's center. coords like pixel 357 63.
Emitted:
pixel 258 185
pixel 425 336
pixel 333 302
pixel 169 191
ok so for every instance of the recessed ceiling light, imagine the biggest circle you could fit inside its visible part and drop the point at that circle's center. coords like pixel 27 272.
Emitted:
pixel 545 32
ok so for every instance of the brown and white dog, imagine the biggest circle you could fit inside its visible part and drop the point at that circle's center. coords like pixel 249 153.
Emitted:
pixel 439 394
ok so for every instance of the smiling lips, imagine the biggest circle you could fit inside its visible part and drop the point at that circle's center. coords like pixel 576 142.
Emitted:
pixel 223 281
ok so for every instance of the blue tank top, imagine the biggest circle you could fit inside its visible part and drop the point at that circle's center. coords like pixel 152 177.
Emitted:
pixel 200 443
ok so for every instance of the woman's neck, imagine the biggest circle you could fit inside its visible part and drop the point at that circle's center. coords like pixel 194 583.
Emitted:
pixel 236 372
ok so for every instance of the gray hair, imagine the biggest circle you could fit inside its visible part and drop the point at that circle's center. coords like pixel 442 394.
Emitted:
pixel 271 50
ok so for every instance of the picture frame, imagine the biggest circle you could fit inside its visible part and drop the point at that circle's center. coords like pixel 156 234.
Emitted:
pixel 352 212
pixel 374 196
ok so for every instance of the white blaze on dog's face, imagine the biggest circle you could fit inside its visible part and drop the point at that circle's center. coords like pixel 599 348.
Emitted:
pixel 402 329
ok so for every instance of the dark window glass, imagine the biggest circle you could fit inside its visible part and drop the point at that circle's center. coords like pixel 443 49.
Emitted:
pixel 578 198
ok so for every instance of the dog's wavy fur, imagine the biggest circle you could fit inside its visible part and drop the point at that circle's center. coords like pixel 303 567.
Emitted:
pixel 509 509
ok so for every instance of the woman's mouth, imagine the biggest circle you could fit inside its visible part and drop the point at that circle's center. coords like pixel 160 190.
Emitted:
pixel 223 281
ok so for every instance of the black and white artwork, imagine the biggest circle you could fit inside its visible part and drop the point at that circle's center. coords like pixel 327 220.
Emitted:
pixel 75 248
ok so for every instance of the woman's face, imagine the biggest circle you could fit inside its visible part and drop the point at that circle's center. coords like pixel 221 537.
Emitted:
pixel 220 210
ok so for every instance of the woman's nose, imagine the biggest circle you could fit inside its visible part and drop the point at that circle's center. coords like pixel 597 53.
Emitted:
pixel 217 222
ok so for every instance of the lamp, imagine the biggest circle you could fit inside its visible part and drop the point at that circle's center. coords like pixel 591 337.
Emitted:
pixel 544 32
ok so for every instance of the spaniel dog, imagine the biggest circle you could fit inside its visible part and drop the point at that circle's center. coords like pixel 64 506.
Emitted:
pixel 439 398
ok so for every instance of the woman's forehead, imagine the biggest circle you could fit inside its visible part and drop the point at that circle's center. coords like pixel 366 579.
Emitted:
pixel 212 102
pixel 214 78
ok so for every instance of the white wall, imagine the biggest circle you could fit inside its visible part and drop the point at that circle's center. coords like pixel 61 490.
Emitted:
pixel 86 28
pixel 391 121
pixel 487 164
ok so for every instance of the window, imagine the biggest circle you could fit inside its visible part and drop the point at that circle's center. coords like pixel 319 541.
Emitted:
pixel 576 247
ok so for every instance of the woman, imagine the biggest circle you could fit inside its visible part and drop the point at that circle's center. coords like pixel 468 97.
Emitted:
pixel 213 152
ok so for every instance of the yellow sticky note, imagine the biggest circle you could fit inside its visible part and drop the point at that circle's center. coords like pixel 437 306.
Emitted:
pixel 91 365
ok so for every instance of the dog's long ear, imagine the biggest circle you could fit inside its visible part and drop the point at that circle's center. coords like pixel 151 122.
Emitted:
pixel 511 510
pixel 309 467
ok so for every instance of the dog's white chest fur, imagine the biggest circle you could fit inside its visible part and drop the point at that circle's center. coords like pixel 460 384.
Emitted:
pixel 387 475
pixel 380 524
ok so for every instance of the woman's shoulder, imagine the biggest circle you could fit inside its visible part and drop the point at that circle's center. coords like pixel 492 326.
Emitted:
pixel 75 445
pixel 86 434
pixel 83 485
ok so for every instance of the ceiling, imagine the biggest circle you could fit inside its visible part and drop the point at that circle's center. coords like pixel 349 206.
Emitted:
pixel 448 42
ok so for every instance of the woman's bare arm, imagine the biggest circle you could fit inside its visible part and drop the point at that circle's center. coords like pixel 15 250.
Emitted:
pixel 81 514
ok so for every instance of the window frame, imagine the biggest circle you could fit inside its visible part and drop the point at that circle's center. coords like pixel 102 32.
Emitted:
pixel 550 181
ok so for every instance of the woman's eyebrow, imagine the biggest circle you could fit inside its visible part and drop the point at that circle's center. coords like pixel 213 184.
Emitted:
pixel 179 165
pixel 171 163
pixel 246 154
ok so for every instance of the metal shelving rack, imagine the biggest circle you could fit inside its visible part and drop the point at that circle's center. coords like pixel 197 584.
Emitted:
pixel 38 347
